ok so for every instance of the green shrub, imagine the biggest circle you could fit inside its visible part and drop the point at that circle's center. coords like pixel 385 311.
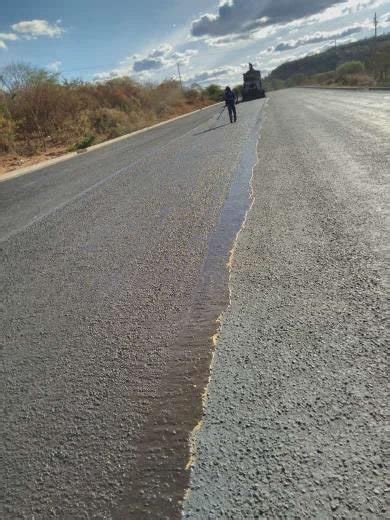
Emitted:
pixel 83 144
pixel 110 122
pixel 350 67
pixel 214 92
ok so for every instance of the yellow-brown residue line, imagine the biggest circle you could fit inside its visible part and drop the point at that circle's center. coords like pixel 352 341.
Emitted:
pixel 219 321
pixel 192 439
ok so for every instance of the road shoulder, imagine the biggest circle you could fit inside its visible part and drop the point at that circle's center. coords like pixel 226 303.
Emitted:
pixel 65 157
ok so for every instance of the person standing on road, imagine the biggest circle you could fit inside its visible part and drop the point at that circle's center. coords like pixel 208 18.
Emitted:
pixel 230 101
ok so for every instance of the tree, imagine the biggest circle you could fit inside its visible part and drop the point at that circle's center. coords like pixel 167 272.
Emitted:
pixel 383 64
pixel 350 67
pixel 7 134
pixel 214 92
pixel 19 76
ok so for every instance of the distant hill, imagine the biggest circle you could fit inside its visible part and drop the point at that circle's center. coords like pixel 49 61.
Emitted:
pixel 374 55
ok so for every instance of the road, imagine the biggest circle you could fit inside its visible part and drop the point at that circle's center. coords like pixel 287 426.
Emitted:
pixel 295 424
pixel 113 275
pixel 107 262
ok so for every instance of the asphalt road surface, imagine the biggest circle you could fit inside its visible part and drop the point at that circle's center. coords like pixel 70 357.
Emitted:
pixel 113 274
pixel 296 415
pixel 107 260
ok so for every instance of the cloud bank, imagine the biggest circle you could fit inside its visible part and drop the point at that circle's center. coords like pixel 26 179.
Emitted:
pixel 317 37
pixel 163 57
pixel 244 16
pixel 35 28
pixel 31 30
pixel 216 74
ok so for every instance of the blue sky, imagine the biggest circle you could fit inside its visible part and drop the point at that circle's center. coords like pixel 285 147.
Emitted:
pixel 211 40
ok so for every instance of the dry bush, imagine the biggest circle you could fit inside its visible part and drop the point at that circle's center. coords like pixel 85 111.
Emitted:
pixel 337 78
pixel 7 134
pixel 110 122
pixel 323 78
pixel 76 130
pixel 195 97
pixel 192 96
pixel 164 100
pixel 41 112
pixel 37 111
pixel 358 80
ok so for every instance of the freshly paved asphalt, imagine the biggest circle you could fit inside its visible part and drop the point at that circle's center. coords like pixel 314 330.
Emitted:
pixel 295 423
pixel 101 258
pixel 26 199
pixel 102 371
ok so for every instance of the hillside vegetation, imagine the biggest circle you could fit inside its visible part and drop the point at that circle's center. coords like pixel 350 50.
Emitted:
pixel 362 63
pixel 42 116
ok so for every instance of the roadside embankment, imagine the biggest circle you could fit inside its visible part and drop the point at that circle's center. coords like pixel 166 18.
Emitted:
pixel 38 162
pixel 43 116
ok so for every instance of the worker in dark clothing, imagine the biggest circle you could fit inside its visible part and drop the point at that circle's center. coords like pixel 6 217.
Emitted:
pixel 230 100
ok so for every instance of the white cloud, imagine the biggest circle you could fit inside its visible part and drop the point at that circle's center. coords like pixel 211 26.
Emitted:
pixel 219 73
pixel 54 66
pixel 384 21
pixel 349 7
pixel 354 6
pixel 184 57
pixel 162 51
pixel 246 16
pixel 318 37
pixel 244 38
pixel 144 67
pixel 7 37
pixel 238 21
pixel 31 29
pixel 162 57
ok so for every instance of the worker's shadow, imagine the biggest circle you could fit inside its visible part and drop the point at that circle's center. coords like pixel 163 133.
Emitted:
pixel 211 129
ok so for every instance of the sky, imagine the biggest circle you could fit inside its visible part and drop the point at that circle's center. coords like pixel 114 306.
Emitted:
pixel 212 41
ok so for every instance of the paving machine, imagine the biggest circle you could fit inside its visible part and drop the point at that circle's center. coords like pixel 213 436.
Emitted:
pixel 252 88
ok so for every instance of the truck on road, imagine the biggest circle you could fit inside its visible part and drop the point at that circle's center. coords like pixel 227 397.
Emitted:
pixel 252 88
